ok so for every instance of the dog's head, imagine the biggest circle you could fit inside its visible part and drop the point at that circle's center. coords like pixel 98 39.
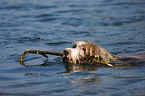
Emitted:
pixel 82 51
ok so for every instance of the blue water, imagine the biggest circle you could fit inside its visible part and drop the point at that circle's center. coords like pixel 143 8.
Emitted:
pixel 53 25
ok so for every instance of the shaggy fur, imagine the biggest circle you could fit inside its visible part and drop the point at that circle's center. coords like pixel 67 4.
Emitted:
pixel 82 51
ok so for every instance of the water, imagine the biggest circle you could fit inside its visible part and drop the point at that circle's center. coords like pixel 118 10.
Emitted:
pixel 118 26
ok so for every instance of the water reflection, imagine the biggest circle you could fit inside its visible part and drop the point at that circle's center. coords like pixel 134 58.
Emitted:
pixel 45 63
pixel 79 67
pixel 70 68
pixel 86 81
pixel 82 74
pixel 36 74
pixel 74 73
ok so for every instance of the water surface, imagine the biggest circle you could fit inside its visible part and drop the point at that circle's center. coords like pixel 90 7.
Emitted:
pixel 118 26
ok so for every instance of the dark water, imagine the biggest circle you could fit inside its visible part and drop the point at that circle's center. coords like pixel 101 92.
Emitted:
pixel 116 25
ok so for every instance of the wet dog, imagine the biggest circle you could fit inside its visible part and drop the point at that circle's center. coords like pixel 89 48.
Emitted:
pixel 85 51
pixel 82 51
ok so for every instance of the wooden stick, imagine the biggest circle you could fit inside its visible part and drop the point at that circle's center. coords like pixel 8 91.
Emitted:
pixel 94 59
pixel 43 53
pixel 102 62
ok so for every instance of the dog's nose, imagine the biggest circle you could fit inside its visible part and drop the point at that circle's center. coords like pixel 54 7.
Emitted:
pixel 66 52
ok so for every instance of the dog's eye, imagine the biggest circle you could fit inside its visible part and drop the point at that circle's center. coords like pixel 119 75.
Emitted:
pixel 84 49
pixel 74 46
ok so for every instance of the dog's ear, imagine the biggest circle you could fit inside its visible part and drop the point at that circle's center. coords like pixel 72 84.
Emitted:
pixel 89 48
pixel 103 54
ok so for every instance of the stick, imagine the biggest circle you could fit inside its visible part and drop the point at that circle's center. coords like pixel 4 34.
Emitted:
pixel 43 53
pixel 94 59
pixel 102 62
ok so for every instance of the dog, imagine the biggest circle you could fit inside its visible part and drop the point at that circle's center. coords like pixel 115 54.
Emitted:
pixel 83 50
pixel 87 52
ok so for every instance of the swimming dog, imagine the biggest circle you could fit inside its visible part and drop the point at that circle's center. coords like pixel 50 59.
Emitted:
pixel 87 52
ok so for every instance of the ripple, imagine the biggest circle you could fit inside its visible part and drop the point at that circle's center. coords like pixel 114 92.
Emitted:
pixel 47 19
pixel 123 43
pixel 73 21
pixel 45 7
pixel 128 3
pixel 30 39
pixel 8 25
pixel 57 43
pixel 134 77
pixel 11 7
pixel 71 10
pixel 16 94
pixel 44 15
pixel 3 78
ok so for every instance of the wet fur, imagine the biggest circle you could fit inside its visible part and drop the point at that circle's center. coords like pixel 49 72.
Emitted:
pixel 101 54
pixel 89 50
pixel 98 52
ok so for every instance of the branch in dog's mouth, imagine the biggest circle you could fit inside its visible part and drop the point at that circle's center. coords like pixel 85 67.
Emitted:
pixel 43 53
pixel 65 59
pixel 81 52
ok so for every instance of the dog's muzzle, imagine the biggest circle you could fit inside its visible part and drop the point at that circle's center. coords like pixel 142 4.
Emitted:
pixel 66 55
pixel 71 55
